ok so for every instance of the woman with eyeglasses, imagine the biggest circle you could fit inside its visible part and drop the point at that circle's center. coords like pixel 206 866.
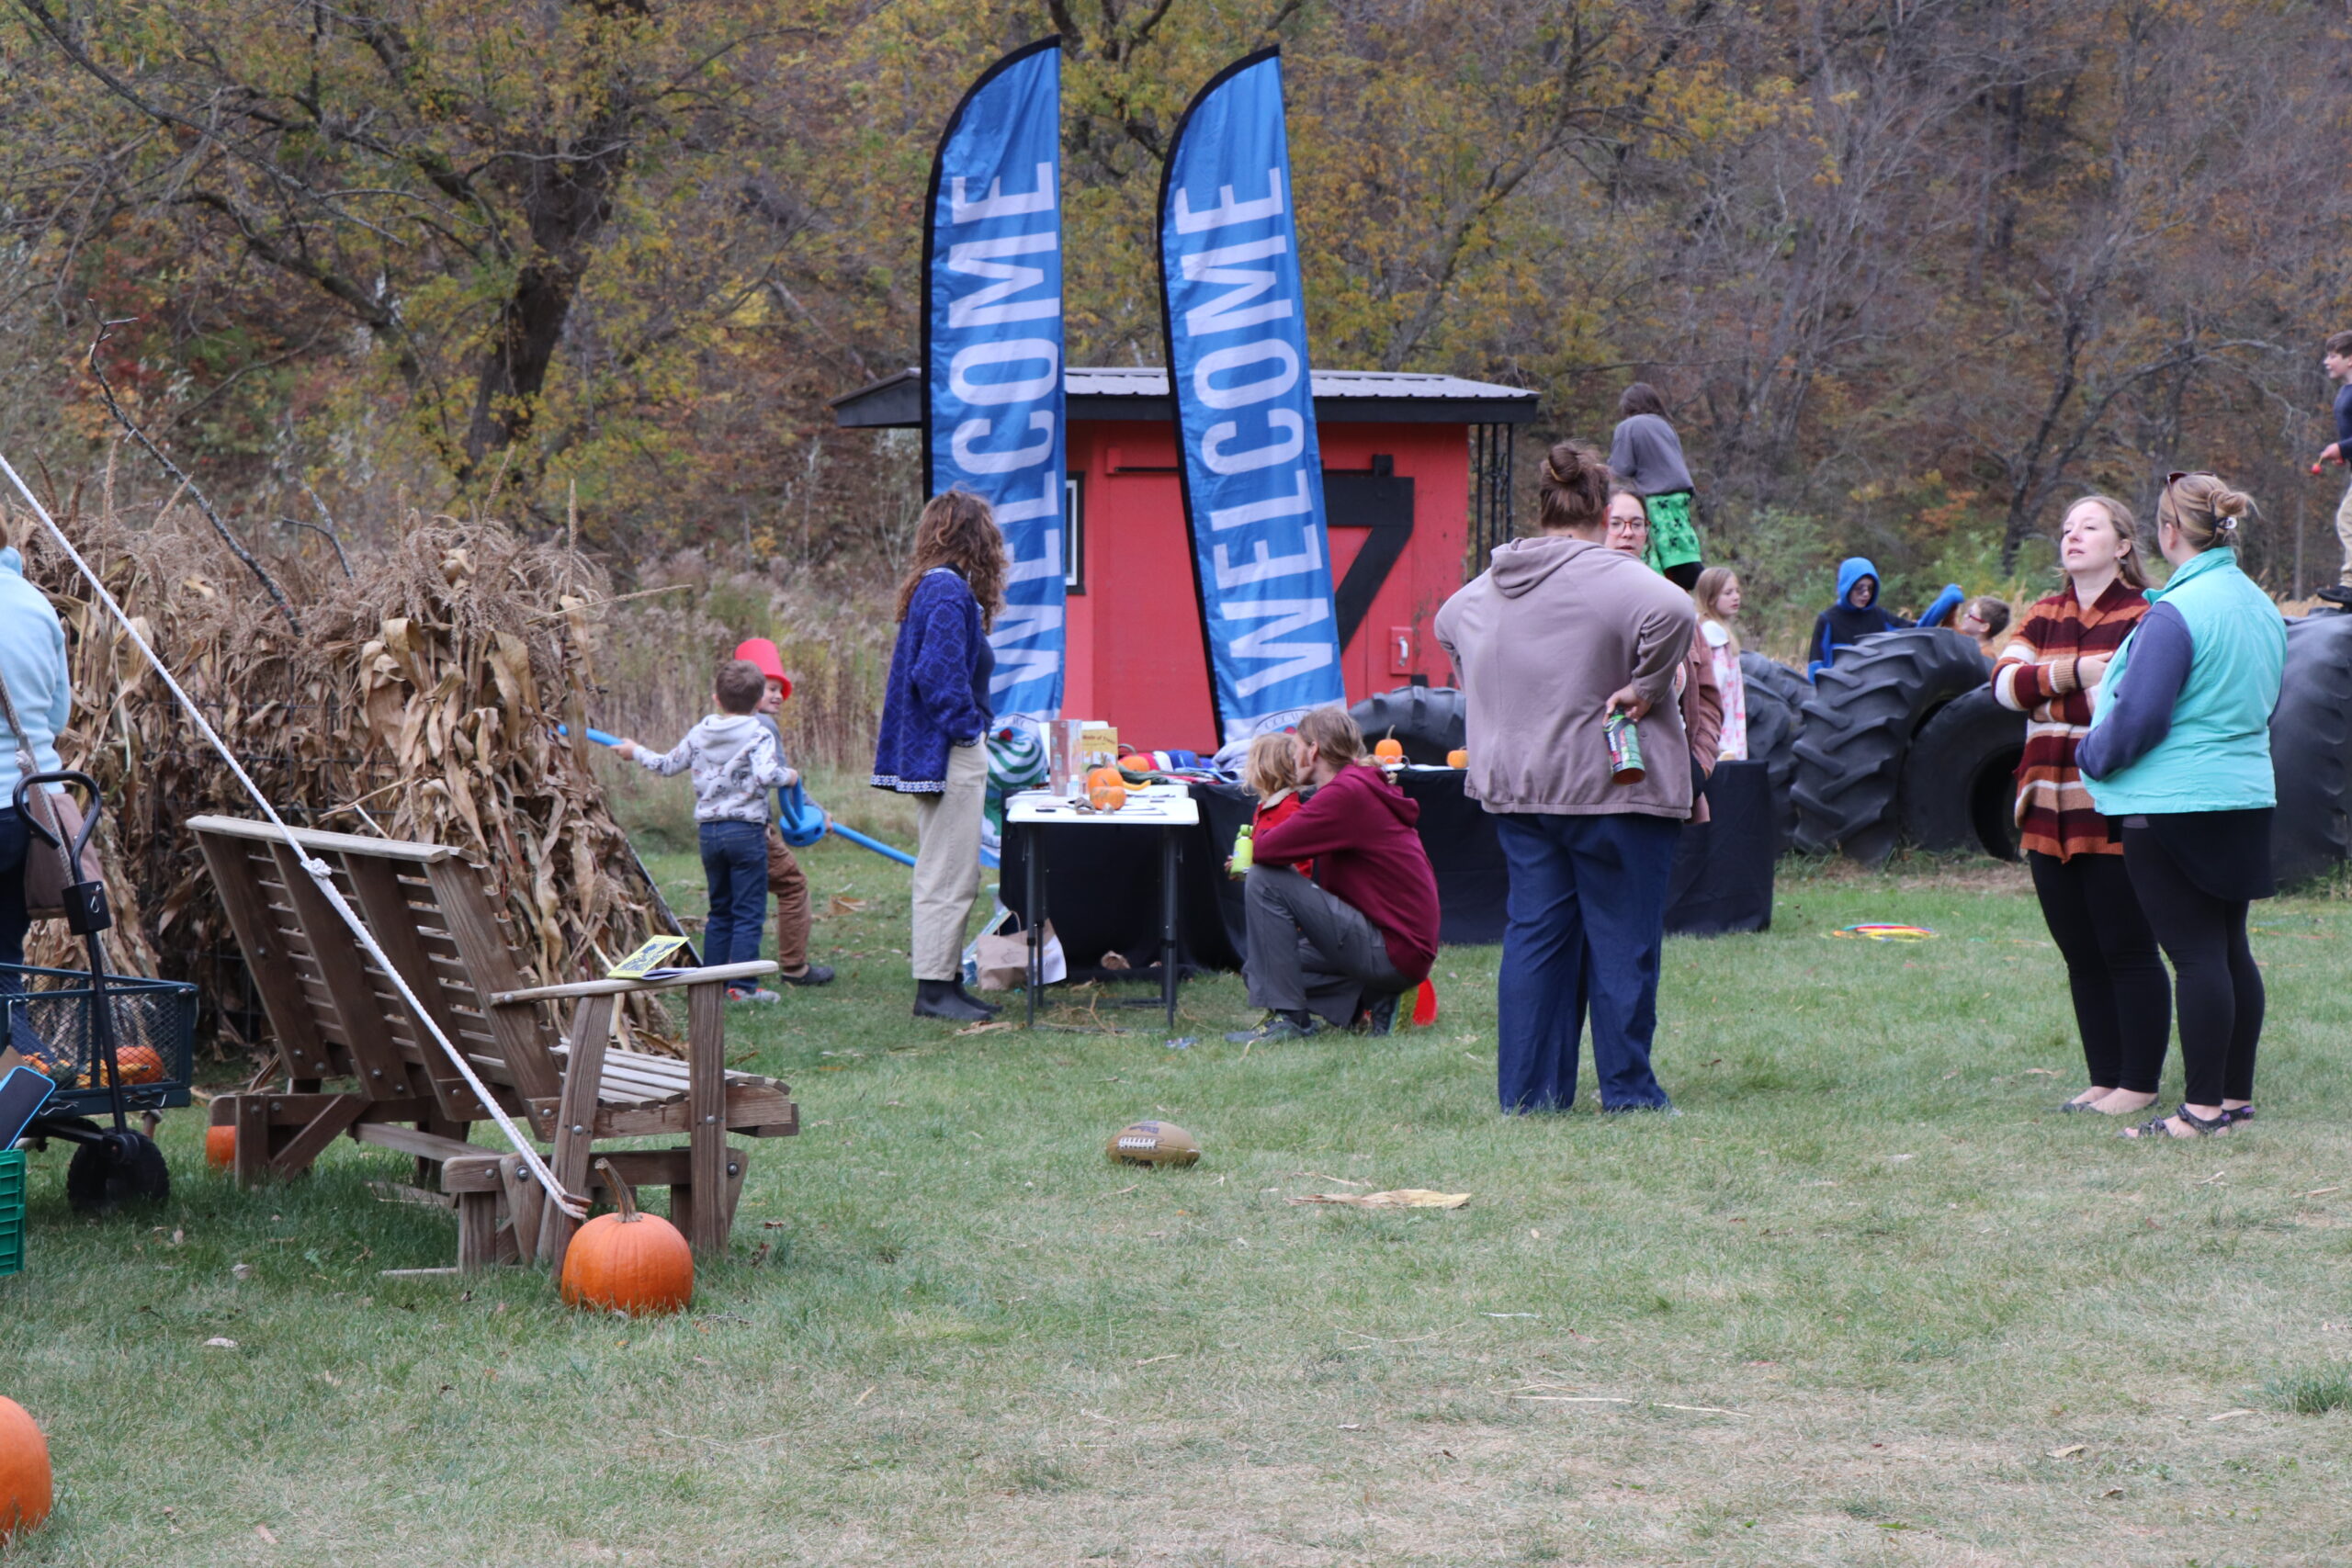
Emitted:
pixel 2178 753
pixel 1697 689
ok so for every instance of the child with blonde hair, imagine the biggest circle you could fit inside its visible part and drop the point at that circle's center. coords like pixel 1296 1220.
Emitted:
pixel 1271 770
pixel 1717 594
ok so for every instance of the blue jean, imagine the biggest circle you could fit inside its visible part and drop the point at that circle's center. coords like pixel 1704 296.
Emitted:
pixel 1587 924
pixel 735 867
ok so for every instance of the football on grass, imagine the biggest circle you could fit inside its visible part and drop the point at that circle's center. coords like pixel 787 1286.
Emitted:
pixel 1153 1142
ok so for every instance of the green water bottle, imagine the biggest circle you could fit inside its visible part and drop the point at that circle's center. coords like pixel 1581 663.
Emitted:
pixel 1245 850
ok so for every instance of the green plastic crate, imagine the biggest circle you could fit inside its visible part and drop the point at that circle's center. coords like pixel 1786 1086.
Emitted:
pixel 12 1211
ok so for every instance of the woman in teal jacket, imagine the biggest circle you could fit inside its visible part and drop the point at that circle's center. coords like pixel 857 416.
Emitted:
pixel 2179 753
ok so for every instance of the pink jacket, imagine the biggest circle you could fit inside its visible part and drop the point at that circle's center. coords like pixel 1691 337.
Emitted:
pixel 1538 642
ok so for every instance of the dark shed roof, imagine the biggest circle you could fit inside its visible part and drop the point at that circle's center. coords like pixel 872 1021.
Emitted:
pixel 1140 392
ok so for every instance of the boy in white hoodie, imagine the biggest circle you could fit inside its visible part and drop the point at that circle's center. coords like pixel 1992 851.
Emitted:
pixel 735 762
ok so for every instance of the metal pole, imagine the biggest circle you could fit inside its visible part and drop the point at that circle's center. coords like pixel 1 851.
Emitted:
pixel 1168 851
pixel 1030 845
pixel 2301 503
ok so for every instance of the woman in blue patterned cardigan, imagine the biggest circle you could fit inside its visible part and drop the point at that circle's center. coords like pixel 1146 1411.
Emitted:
pixel 934 728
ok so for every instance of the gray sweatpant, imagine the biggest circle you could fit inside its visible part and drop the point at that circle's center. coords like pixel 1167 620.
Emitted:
pixel 1311 949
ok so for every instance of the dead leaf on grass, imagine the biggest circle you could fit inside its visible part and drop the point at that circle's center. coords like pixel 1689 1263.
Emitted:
pixel 2040 1072
pixel 1400 1198
pixel 838 904
pixel 2232 1414
pixel 2070 1451
pixel 987 1028
pixel 263 1531
pixel 217 1343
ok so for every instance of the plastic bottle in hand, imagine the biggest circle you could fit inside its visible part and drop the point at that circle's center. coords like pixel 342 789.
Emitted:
pixel 1245 852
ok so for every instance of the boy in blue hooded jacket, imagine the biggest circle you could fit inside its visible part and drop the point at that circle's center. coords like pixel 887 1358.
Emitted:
pixel 1857 615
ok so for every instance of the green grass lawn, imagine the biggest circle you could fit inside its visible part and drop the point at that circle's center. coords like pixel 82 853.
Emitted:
pixel 1869 1299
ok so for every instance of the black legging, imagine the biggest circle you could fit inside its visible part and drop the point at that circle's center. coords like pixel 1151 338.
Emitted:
pixel 2213 969
pixel 2123 1002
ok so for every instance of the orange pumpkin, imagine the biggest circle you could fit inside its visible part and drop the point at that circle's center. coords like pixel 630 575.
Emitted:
pixel 631 1262
pixel 1458 758
pixel 25 1484
pixel 1107 797
pixel 1388 749
pixel 1138 763
pixel 58 1073
pixel 220 1147
pixel 1103 778
pixel 138 1063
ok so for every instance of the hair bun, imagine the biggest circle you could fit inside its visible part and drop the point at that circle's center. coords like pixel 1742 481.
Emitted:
pixel 2231 504
pixel 1564 464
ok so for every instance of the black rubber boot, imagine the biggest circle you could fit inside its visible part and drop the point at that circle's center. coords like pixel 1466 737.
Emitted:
pixel 980 1002
pixel 946 999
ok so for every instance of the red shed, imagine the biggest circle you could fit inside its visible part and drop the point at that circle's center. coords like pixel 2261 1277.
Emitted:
pixel 1417 489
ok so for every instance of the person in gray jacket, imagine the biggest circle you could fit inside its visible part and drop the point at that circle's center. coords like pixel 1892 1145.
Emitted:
pixel 1646 458
pixel 1558 634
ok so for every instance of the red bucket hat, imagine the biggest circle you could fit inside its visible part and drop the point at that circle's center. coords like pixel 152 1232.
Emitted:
pixel 759 651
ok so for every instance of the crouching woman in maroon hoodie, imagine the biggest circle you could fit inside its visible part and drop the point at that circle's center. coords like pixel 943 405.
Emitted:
pixel 1365 930
pixel 1559 633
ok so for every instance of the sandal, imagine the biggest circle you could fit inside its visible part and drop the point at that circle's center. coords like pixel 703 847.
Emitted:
pixel 2072 1106
pixel 2198 1126
pixel 2236 1113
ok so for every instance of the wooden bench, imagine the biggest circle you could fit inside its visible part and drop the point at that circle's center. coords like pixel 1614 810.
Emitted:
pixel 337 1019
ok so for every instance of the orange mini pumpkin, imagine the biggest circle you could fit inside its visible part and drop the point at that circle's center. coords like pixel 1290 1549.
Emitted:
pixel 58 1073
pixel 138 1063
pixel 1107 796
pixel 1136 762
pixel 1388 749
pixel 628 1261
pixel 220 1147
pixel 26 1489
pixel 1458 758
pixel 1103 778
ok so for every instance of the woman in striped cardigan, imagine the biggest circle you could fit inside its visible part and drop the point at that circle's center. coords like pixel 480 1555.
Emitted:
pixel 2048 670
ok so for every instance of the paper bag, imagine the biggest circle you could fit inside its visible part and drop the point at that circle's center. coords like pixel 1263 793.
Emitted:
pixel 1003 960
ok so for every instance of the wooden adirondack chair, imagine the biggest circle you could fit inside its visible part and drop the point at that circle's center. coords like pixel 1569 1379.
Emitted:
pixel 337 1018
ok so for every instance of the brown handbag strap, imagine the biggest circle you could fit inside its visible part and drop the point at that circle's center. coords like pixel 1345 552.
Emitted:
pixel 27 766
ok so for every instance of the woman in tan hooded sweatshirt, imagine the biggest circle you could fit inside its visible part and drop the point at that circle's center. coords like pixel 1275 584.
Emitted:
pixel 1558 634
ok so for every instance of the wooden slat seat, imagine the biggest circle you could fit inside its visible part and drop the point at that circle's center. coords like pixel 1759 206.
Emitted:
pixel 337 1017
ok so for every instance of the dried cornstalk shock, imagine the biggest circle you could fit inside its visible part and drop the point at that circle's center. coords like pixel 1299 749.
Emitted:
pixel 419 700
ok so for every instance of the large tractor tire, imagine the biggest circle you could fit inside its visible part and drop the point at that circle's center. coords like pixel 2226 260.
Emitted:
pixel 1858 724
pixel 1428 721
pixel 1959 780
pixel 1776 698
pixel 2311 750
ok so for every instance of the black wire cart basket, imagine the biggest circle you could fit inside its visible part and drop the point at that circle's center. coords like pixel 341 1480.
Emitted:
pixel 51 1019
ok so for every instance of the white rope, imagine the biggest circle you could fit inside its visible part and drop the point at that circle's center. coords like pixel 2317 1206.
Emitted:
pixel 321 873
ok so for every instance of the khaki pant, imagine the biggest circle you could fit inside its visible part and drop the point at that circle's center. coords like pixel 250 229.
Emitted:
pixel 2344 534
pixel 947 863
pixel 792 911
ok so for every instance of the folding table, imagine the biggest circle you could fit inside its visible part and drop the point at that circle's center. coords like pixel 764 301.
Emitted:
pixel 1168 808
